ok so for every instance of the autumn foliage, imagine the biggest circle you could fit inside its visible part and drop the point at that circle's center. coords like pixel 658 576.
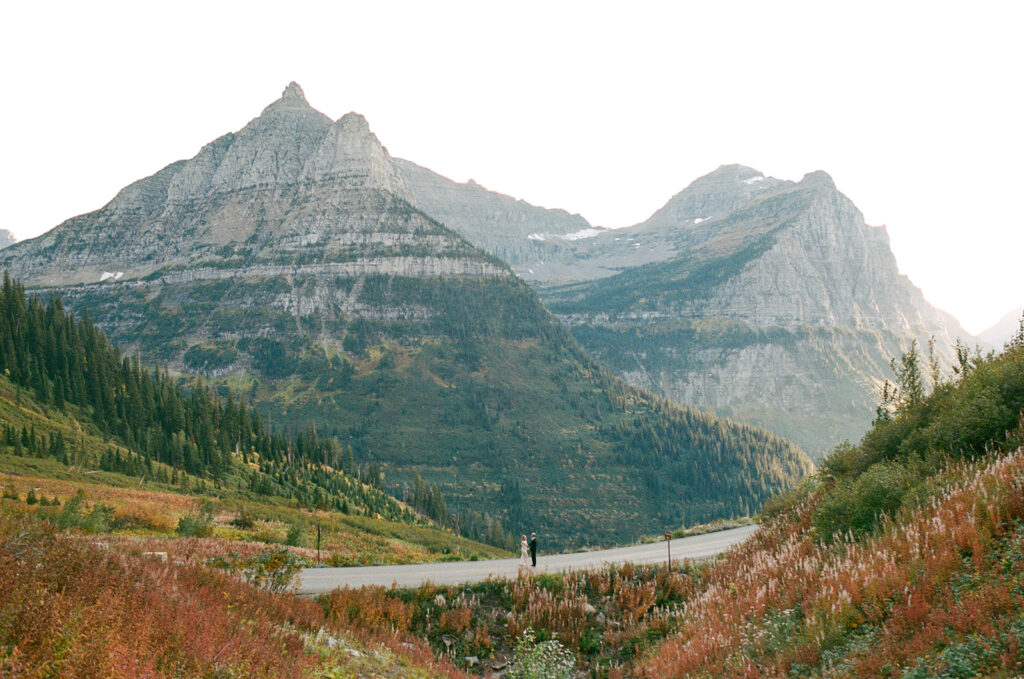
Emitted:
pixel 944 580
pixel 72 607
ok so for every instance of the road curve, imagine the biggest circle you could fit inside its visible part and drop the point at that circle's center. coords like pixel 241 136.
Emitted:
pixel 320 580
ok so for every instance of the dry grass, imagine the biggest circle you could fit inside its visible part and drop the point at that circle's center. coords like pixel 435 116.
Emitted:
pixel 946 573
pixel 147 518
pixel 70 608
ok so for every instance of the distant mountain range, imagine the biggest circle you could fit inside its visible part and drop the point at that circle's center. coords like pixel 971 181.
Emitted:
pixel 6 238
pixel 1000 333
pixel 288 261
pixel 765 300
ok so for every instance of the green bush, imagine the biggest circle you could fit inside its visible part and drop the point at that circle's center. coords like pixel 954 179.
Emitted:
pixel 979 409
pixel 856 504
pixel 544 660
pixel 296 536
pixel 74 515
pixel 847 460
pixel 275 570
pixel 197 524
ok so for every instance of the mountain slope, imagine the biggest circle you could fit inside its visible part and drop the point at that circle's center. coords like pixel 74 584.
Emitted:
pixel 765 300
pixel 1003 330
pixel 6 238
pixel 550 247
pixel 524 236
pixel 287 261
pixel 900 558
pixel 782 312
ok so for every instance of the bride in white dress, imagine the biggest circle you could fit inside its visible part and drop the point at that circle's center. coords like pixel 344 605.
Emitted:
pixel 524 556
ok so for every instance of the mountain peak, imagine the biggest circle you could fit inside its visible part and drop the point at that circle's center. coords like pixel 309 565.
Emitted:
pixel 293 92
pixel 353 121
pixel 714 195
pixel 819 177
pixel 292 99
pixel 352 152
pixel 734 171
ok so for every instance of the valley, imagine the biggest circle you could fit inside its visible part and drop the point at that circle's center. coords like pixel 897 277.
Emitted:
pixel 349 410
pixel 560 341
pixel 287 264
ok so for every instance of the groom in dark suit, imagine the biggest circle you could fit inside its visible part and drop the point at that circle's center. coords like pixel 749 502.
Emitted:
pixel 533 548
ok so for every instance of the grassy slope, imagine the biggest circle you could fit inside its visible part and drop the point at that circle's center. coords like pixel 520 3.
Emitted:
pixel 73 609
pixel 902 557
pixel 151 511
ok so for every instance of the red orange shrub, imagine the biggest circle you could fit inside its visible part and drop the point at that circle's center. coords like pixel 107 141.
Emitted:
pixel 72 608
pixel 456 620
pixel 85 612
pixel 923 587
pixel 368 609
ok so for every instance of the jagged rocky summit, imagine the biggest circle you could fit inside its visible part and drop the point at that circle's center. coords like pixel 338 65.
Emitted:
pixel 765 300
pixel 288 261
pixel 291 192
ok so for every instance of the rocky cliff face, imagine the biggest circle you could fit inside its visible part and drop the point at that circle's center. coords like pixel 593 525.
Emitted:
pixel 6 238
pixel 536 242
pixel 767 300
pixel 781 307
pixel 288 261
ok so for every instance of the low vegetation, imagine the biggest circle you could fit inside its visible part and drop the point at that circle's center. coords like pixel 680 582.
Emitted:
pixel 902 557
pixel 602 620
pixel 72 607
pixel 198 527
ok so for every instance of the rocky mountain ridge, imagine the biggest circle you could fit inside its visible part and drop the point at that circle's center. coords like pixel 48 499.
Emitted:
pixel 524 236
pixel 287 262
pixel 766 300
pixel 1004 329
pixel 223 206
pixel 6 238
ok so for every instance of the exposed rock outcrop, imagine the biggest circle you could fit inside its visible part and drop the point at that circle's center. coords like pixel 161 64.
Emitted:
pixel 536 242
pixel 782 308
pixel 767 300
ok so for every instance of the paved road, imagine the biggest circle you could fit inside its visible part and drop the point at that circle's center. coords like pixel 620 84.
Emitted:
pixel 320 580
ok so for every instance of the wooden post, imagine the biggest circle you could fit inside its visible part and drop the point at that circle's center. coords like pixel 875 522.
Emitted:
pixel 668 541
pixel 318 543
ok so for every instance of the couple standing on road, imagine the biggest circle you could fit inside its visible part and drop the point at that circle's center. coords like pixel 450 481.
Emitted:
pixel 528 553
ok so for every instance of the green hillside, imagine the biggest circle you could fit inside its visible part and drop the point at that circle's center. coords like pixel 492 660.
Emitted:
pixel 490 399
pixel 118 426
pixel 287 264
pixel 901 557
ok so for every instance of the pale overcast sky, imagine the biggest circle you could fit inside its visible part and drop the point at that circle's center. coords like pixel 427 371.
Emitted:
pixel 606 109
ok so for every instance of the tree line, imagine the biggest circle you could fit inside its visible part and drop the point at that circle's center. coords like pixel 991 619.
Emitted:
pixel 172 433
pixel 69 362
